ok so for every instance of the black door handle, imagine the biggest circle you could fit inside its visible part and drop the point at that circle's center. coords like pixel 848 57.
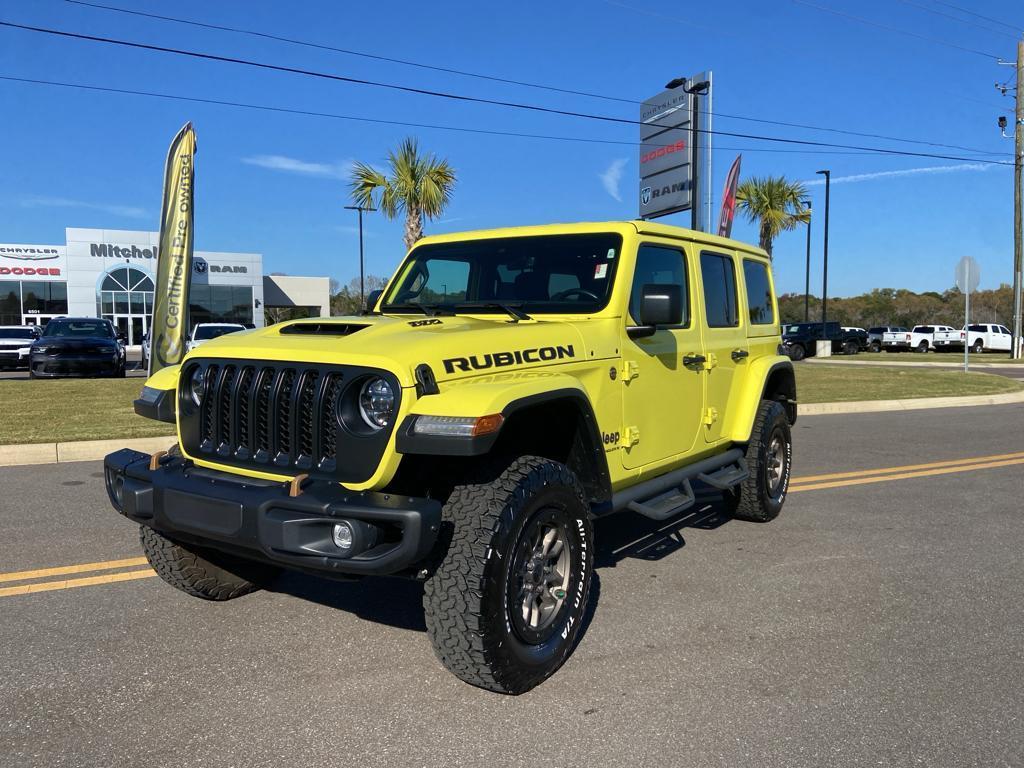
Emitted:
pixel 694 360
pixel 739 354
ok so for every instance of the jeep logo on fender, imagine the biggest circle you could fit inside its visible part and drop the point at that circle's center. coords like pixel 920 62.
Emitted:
pixel 503 359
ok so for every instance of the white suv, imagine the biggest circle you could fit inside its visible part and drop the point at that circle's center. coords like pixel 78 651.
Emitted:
pixel 206 331
pixel 15 342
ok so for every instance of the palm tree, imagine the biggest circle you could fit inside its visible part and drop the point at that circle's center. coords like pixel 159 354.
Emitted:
pixel 775 204
pixel 419 185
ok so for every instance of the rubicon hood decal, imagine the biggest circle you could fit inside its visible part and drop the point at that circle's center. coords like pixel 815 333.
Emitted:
pixel 504 359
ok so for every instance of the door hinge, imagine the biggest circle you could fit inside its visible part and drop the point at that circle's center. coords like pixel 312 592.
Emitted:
pixel 710 416
pixel 630 370
pixel 712 361
pixel 630 437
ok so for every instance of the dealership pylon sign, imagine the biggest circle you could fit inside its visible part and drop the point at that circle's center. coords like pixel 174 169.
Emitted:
pixel 174 266
pixel 675 144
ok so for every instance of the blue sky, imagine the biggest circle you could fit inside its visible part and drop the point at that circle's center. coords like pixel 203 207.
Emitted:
pixel 274 183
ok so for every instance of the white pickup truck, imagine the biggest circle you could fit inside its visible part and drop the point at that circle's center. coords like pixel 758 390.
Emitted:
pixel 980 337
pixel 920 339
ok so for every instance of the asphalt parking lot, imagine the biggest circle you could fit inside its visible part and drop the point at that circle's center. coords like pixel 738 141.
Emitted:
pixel 876 622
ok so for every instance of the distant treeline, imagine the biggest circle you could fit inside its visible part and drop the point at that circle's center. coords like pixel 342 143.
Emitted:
pixel 892 306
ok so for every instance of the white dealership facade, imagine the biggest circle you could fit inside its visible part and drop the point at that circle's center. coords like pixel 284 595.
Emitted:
pixel 111 273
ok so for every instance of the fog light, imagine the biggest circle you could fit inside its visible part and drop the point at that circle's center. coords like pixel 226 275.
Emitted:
pixel 343 537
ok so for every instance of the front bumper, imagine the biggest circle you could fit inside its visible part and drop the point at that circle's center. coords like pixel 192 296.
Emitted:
pixel 259 520
pixel 13 358
pixel 46 366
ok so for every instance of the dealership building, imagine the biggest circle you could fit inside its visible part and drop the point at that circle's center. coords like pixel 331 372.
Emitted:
pixel 112 274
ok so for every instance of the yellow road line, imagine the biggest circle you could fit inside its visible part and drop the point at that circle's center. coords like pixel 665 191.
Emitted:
pixel 64 570
pixel 88 581
pixel 907 468
pixel 903 475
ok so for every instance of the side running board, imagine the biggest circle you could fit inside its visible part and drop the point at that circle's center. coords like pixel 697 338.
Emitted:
pixel 662 497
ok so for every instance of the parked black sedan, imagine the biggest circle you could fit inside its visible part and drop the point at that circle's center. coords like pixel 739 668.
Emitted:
pixel 77 346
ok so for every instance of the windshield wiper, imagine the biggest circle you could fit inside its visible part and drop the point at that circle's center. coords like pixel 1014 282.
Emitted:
pixel 512 310
pixel 430 310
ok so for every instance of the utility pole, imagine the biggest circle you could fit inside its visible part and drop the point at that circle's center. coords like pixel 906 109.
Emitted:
pixel 807 273
pixel 824 277
pixel 1018 198
pixel 1018 202
pixel 362 275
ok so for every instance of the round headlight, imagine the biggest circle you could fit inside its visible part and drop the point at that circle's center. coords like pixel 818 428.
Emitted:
pixel 197 385
pixel 376 402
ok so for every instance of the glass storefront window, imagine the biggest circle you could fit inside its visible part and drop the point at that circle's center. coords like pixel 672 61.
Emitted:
pixel 10 302
pixel 220 304
pixel 44 298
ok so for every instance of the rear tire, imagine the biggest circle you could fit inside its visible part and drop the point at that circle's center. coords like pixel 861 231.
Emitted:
pixel 850 348
pixel 923 347
pixel 193 570
pixel 505 604
pixel 769 456
pixel 978 347
pixel 875 347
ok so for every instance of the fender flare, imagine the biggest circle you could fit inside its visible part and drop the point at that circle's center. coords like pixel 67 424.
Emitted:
pixel 762 373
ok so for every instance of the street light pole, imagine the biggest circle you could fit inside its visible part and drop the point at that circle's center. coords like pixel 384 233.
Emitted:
pixel 807 273
pixel 824 278
pixel 362 275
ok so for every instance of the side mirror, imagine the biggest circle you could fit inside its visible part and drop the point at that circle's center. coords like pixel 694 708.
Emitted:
pixel 660 304
pixel 372 298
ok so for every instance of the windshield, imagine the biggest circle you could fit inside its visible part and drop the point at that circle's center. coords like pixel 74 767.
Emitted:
pixel 541 274
pixel 71 328
pixel 16 333
pixel 213 331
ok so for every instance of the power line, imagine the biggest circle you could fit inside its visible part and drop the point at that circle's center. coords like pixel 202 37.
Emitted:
pixel 350 52
pixel 468 99
pixel 897 30
pixel 935 12
pixel 541 86
pixel 403 123
pixel 1015 27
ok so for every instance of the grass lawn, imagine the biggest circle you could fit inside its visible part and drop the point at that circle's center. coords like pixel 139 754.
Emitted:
pixel 821 383
pixel 99 409
pixel 40 411
pixel 999 358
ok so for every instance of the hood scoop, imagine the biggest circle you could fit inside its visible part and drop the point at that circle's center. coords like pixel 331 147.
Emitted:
pixel 323 329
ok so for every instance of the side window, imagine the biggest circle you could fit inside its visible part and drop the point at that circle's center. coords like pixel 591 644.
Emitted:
pixel 759 293
pixel 719 277
pixel 657 264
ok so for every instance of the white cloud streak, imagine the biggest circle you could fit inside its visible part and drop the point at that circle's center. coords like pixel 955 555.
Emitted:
pixel 301 167
pixel 612 177
pixel 127 211
pixel 933 169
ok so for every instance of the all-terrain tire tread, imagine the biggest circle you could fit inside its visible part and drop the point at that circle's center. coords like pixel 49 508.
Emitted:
pixel 452 598
pixel 190 572
pixel 748 506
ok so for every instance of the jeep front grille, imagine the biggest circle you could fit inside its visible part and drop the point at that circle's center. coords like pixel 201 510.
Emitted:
pixel 279 418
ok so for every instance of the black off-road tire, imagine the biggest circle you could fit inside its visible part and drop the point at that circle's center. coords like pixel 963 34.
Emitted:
pixel 851 348
pixel 194 571
pixel 760 497
pixel 797 352
pixel 470 600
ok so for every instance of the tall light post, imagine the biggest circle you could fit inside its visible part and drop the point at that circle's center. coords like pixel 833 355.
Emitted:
pixel 362 275
pixel 807 273
pixel 824 278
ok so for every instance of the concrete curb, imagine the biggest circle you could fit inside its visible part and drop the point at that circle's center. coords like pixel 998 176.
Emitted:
pixel 914 404
pixel 79 450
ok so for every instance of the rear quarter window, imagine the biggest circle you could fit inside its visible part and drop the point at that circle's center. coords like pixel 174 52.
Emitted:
pixel 760 303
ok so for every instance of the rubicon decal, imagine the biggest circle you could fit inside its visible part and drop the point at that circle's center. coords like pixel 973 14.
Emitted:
pixel 504 359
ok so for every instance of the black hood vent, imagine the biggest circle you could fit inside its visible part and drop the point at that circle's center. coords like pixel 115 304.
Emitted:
pixel 323 329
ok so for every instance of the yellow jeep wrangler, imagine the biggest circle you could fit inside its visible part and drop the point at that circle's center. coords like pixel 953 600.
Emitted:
pixel 505 389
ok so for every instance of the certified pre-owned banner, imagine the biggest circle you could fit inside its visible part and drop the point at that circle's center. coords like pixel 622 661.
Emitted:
pixel 169 328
